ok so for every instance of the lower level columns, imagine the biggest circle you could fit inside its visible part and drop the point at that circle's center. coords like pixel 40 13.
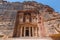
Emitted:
pixel 33 31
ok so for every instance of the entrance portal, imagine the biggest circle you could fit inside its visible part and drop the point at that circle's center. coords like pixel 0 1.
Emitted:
pixel 27 33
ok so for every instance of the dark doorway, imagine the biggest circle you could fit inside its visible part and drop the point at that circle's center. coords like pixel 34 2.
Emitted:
pixel 27 33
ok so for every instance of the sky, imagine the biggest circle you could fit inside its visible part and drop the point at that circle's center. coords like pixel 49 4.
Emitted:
pixel 55 4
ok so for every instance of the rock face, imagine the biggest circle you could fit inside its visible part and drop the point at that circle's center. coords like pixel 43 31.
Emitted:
pixel 9 10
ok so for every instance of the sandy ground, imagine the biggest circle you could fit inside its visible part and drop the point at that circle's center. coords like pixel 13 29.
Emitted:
pixel 26 39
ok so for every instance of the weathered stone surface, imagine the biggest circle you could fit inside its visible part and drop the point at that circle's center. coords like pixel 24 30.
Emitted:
pixel 9 10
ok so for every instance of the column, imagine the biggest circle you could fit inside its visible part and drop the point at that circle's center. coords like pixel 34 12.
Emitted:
pixel 33 31
pixel 29 31
pixel 24 31
pixel 37 31
pixel 21 32
pixel 18 31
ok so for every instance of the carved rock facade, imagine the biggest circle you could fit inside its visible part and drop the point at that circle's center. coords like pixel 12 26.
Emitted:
pixel 45 17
